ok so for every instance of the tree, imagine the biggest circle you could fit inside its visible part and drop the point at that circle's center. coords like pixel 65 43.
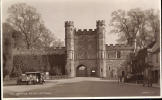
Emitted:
pixel 47 39
pixel 153 21
pixel 7 50
pixel 58 43
pixel 24 19
pixel 135 24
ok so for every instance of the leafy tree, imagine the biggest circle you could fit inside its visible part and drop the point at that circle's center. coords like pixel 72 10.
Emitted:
pixel 47 38
pixel 45 41
pixel 153 21
pixel 135 24
pixel 7 50
pixel 58 43
pixel 25 19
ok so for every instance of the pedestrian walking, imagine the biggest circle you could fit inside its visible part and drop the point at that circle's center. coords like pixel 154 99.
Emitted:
pixel 147 77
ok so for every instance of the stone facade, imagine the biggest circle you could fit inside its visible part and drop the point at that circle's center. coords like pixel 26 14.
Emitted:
pixel 88 48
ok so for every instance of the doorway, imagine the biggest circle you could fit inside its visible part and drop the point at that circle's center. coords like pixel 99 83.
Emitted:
pixel 81 71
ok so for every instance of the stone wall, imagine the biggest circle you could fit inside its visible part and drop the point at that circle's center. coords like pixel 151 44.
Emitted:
pixel 53 62
pixel 112 67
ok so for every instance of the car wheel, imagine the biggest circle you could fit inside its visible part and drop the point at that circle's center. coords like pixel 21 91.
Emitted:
pixel 34 82
pixel 17 82
pixel 143 84
pixel 41 82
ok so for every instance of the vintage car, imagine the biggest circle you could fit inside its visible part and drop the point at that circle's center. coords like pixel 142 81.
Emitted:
pixel 31 78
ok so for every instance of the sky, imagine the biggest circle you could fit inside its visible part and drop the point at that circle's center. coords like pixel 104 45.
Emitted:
pixel 84 13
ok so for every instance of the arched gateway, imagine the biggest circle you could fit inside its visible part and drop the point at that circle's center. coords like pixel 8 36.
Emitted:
pixel 81 71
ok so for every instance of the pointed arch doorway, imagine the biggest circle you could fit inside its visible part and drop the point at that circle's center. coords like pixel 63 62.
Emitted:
pixel 81 71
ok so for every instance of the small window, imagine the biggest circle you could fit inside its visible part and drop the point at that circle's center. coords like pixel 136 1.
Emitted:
pixel 118 54
pixel 101 69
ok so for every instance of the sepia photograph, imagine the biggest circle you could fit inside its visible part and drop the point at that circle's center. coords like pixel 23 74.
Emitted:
pixel 80 49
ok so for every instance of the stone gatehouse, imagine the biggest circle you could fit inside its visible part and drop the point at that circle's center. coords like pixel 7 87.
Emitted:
pixel 89 55
pixel 85 54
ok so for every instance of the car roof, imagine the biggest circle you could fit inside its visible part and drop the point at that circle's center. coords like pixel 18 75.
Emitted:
pixel 32 72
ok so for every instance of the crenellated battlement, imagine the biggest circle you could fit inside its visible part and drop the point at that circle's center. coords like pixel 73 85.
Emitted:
pixel 100 22
pixel 86 31
pixel 117 46
pixel 69 23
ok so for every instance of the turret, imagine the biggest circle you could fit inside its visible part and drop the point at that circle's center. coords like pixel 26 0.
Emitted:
pixel 69 43
pixel 100 24
pixel 101 34
pixel 69 35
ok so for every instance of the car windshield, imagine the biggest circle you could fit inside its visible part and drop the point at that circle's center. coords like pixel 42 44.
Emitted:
pixel 23 74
